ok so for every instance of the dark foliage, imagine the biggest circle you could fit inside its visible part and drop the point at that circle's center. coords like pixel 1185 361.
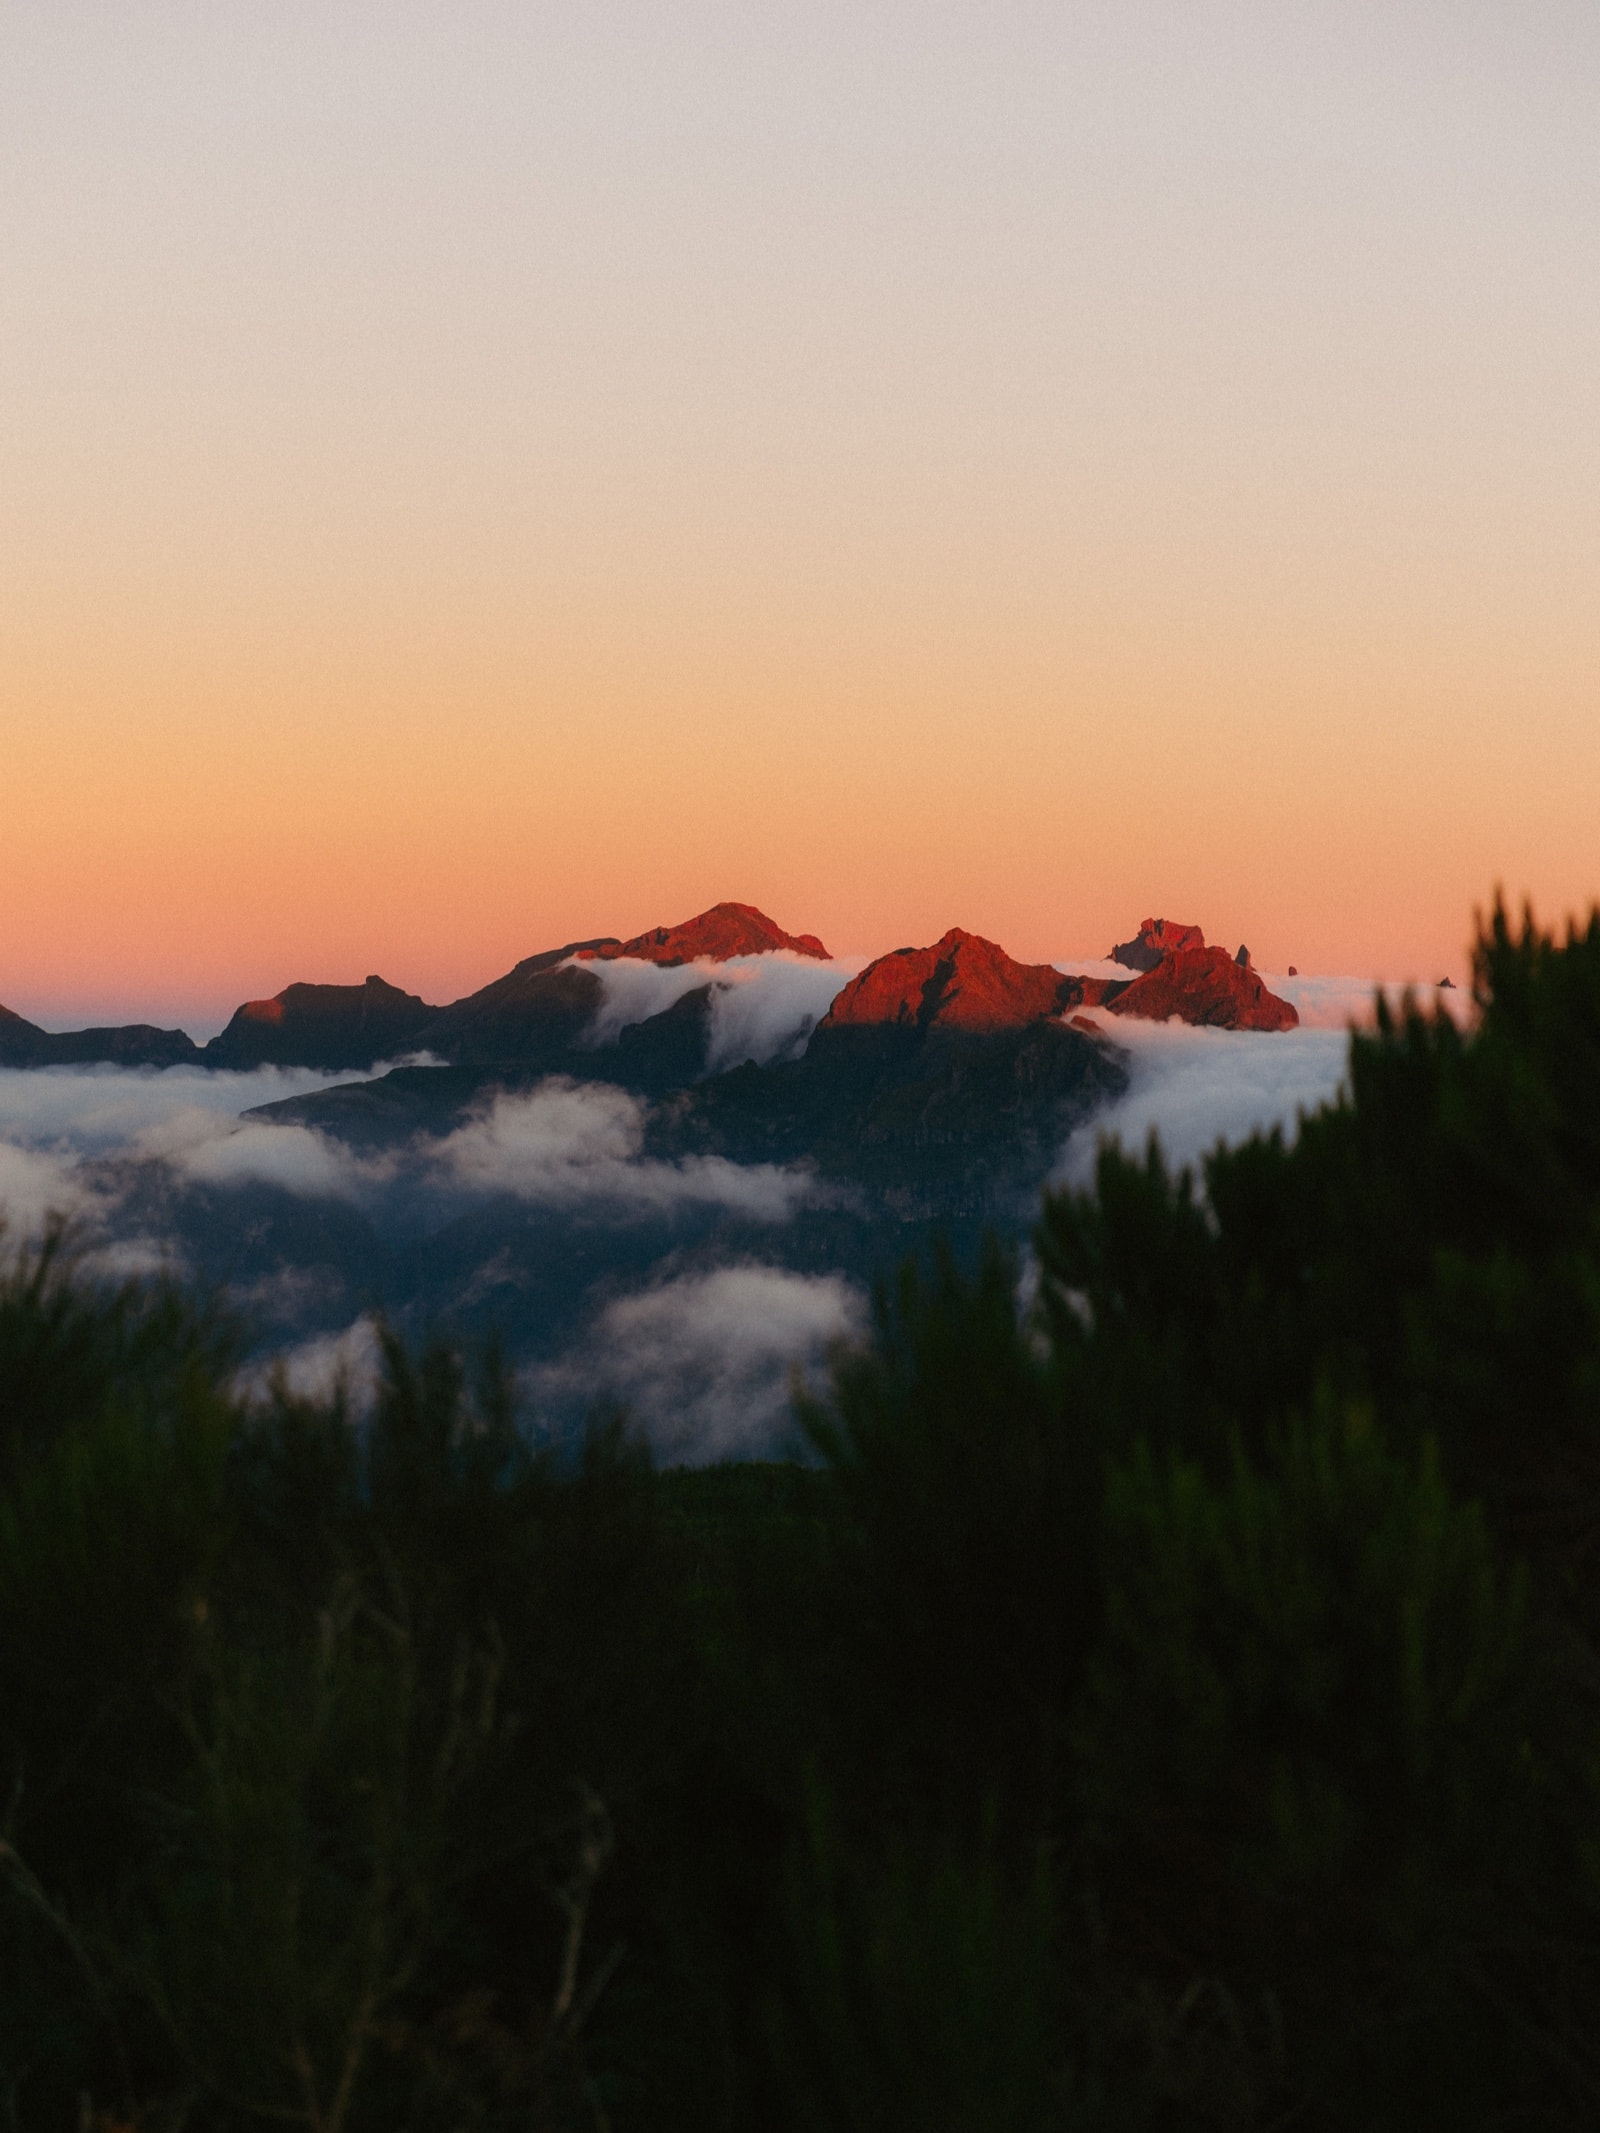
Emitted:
pixel 1174 1705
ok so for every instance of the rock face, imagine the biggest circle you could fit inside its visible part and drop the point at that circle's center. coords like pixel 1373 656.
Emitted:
pixel 962 982
pixel 333 1026
pixel 1155 938
pixel 726 930
pixel 25 1044
pixel 1205 986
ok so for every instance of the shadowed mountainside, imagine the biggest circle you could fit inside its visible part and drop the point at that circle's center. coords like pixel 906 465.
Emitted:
pixel 533 1016
pixel 133 1044
pixel 330 1026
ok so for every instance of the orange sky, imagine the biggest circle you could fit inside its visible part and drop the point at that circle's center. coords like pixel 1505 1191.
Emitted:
pixel 467 482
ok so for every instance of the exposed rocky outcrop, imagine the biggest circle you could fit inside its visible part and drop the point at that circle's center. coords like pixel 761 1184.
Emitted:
pixel 1155 938
pixel 962 982
pixel 717 935
pixel 1208 987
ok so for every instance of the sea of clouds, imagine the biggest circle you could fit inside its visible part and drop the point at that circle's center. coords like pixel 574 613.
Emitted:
pixel 1201 1088
pixel 704 1359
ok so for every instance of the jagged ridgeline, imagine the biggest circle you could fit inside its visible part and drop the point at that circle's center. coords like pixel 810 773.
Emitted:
pixel 607 1116
pixel 541 1009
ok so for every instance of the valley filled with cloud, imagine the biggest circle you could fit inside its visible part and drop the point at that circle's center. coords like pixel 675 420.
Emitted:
pixel 629 1247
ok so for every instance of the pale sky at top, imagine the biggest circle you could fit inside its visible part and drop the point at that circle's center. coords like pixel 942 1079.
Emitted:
pixel 475 475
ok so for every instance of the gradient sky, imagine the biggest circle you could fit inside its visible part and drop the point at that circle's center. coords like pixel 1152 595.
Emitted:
pixel 473 475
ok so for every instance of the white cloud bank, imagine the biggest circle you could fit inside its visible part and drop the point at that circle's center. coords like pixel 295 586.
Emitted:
pixel 704 1364
pixel 1196 1087
pixel 101 1109
pixel 565 1143
pixel 34 1186
pixel 763 1007
pixel 63 1133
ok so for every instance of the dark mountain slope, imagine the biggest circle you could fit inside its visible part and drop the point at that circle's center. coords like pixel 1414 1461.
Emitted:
pixel 531 1017
pixel 332 1026
pixel 132 1044
pixel 939 1124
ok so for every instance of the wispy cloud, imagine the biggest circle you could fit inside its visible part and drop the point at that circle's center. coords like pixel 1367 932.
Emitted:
pixel 36 1185
pixel 568 1142
pixel 770 1004
pixel 315 1369
pixel 704 1363
pixel 762 1007
pixel 1196 1087
pixel 95 1110
pixel 294 1158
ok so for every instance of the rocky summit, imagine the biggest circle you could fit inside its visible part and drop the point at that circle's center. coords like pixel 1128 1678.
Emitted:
pixel 962 982
pixel 716 936
pixel 1155 938
pixel 333 1026
pixel 1205 986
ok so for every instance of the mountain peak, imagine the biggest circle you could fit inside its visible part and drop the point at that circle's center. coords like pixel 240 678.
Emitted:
pixel 962 982
pixel 1155 938
pixel 1208 987
pixel 323 1025
pixel 717 935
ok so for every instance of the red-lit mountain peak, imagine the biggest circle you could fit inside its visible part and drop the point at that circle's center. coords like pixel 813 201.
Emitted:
pixel 717 935
pixel 1155 938
pixel 1207 987
pixel 962 982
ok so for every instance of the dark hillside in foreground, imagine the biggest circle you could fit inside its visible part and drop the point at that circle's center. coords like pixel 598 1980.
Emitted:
pixel 1166 1709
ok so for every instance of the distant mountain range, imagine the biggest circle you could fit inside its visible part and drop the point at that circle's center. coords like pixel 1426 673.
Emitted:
pixel 586 1130
pixel 538 1013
